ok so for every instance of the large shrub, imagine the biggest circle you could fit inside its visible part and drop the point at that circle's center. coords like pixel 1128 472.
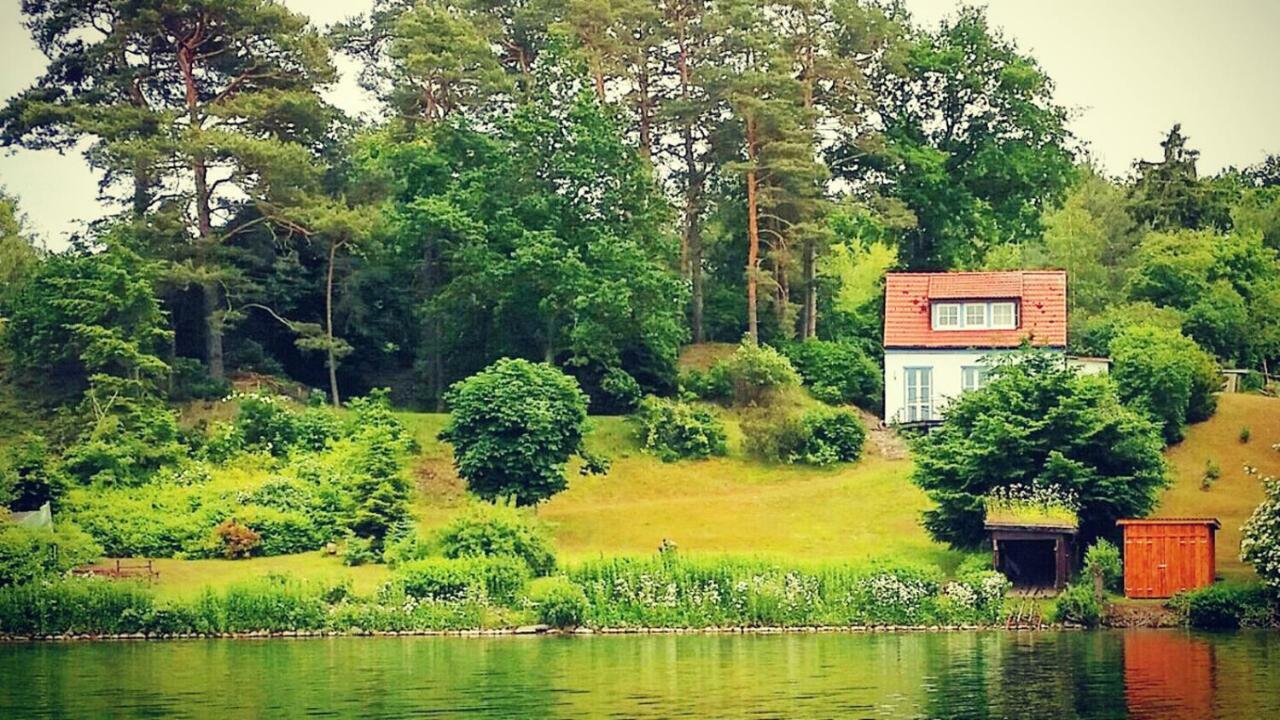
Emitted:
pixel 1260 535
pixel 1166 375
pixel 496 579
pixel 377 486
pixel 756 372
pixel 1226 606
pixel 498 529
pixel 1039 424
pixel 28 554
pixel 1077 604
pixel 559 602
pixel 29 475
pixel 513 427
pixel 838 372
pixel 820 436
pixel 675 430
pixel 1102 559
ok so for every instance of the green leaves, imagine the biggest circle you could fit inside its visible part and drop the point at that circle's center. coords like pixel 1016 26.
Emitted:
pixel 513 428
pixel 1036 424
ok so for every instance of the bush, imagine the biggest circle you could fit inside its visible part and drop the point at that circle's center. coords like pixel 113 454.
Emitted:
pixel 235 540
pixel 756 372
pixel 1166 375
pixel 817 437
pixel 76 605
pixel 1212 471
pixel 498 530
pixel 29 476
pixel 29 554
pixel 190 381
pixel 497 579
pixel 559 602
pixel 282 532
pixel 621 389
pixel 714 384
pixel 265 423
pixel 513 427
pixel 377 487
pixel 1245 434
pixel 1011 433
pixel 1226 606
pixel 1260 536
pixel 675 430
pixel 1077 604
pixel 838 372
pixel 1103 559
pixel 359 551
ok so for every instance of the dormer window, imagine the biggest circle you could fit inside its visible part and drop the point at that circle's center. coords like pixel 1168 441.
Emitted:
pixel 984 315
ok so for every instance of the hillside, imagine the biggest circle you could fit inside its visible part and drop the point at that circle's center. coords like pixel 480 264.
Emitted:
pixel 1232 497
pixel 733 504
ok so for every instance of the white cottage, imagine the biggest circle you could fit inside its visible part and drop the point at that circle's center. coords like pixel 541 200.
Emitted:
pixel 939 326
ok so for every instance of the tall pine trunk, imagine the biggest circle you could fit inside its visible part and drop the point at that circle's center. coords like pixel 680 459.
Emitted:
pixel 328 329
pixel 810 291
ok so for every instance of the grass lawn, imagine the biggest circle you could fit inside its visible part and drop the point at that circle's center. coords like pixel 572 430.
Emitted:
pixel 187 578
pixel 1234 496
pixel 733 504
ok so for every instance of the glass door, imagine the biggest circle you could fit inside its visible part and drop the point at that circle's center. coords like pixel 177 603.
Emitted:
pixel 919 394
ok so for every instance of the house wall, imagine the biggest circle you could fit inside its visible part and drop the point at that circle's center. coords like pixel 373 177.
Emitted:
pixel 947 366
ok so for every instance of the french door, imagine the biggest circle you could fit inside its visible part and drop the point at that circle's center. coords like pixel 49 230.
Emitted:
pixel 919 394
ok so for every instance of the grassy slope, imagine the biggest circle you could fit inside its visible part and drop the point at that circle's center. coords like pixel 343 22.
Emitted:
pixel 723 505
pixel 1234 496
pixel 738 505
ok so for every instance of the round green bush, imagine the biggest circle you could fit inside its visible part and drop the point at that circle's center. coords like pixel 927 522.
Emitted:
pixel 559 601
pixel 755 372
pixel 498 530
pixel 1077 605
pixel 838 372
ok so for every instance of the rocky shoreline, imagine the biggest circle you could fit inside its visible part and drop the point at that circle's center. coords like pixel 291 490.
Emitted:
pixel 542 630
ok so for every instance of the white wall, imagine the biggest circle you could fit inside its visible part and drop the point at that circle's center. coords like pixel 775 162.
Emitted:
pixel 947 368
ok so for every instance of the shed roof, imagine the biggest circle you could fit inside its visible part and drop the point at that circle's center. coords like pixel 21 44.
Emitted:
pixel 1210 521
pixel 1042 316
pixel 1041 526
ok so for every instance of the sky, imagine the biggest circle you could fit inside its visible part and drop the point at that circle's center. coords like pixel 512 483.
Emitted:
pixel 1127 69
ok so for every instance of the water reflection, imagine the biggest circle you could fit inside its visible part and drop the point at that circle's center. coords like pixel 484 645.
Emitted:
pixel 1138 674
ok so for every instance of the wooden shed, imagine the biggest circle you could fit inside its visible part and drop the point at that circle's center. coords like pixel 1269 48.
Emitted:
pixel 1033 555
pixel 1163 556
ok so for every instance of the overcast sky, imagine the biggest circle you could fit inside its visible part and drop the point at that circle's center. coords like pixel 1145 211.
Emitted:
pixel 1128 69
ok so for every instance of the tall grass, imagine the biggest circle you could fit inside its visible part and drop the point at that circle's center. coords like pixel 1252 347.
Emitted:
pixel 710 592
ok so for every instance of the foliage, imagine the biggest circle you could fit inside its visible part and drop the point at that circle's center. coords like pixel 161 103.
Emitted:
pixel 1244 434
pixel 513 428
pixel 559 602
pixel 712 384
pixel 1166 375
pixel 236 540
pixel 1039 424
pixel 498 530
pixel 377 486
pixel 676 430
pixel 838 372
pixel 1226 606
pixel 29 475
pixel 821 436
pixel 1260 536
pixel 498 579
pixel 723 592
pixel 1042 504
pixel 31 554
pixel 757 372
pixel 1077 604
pixel 1093 334
pixel 1102 559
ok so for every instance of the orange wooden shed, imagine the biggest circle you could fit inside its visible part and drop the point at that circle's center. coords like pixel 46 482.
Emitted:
pixel 1163 556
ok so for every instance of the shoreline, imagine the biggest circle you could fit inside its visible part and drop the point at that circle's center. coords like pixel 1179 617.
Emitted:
pixel 541 631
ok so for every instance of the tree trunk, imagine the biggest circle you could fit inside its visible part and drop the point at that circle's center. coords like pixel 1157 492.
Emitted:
pixel 810 291
pixel 328 321
pixel 691 243
pixel 204 223
pixel 644 111
pixel 753 236
pixel 693 235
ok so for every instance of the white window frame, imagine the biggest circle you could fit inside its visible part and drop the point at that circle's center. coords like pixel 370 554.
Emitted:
pixel 919 408
pixel 937 316
pixel 973 377
pixel 980 307
pixel 963 321
pixel 1013 315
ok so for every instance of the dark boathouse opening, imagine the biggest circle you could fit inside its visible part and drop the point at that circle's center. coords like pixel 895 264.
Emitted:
pixel 1033 556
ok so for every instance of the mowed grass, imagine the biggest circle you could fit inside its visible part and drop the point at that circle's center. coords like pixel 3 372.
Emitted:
pixel 184 579
pixel 735 504
pixel 1233 497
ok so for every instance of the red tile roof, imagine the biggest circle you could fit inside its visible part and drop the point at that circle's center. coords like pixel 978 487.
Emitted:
pixel 1042 312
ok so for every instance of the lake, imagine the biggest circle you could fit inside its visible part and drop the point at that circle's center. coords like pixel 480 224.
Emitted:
pixel 1165 674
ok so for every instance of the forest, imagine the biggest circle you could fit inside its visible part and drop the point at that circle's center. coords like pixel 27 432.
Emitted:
pixel 590 183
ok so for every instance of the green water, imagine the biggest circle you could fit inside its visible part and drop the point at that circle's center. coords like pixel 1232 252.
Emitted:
pixel 1141 674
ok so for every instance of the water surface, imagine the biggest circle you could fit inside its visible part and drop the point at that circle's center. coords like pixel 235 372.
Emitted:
pixel 1133 674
